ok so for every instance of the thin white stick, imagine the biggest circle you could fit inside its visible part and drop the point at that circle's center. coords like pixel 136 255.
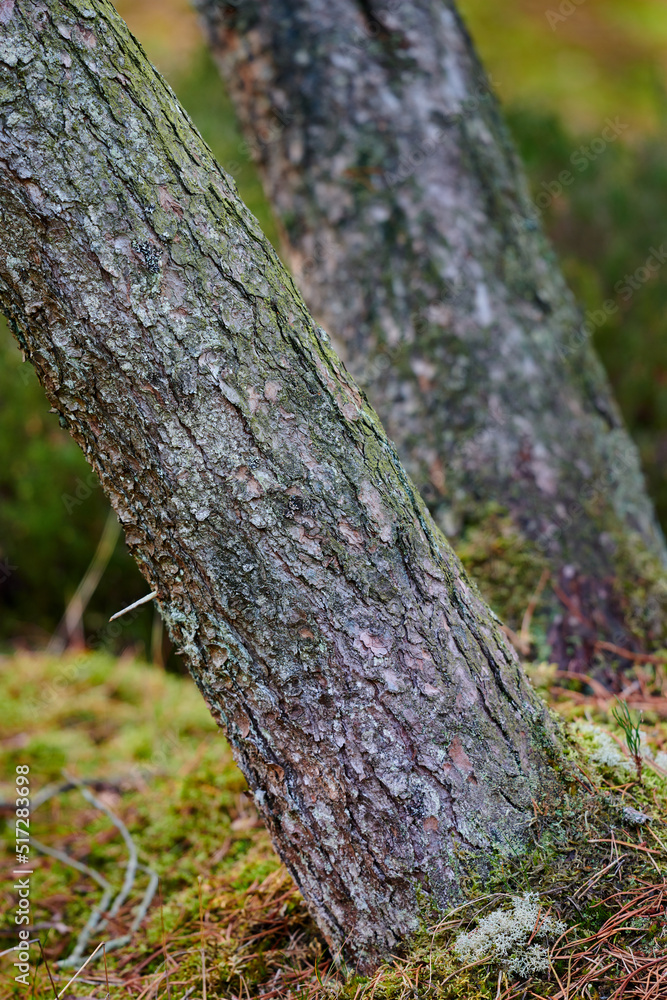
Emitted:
pixel 81 969
pixel 131 607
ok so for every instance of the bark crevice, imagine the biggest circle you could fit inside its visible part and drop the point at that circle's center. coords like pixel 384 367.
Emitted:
pixel 409 228
pixel 297 567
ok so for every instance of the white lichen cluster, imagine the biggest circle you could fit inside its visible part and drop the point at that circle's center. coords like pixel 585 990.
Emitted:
pixel 603 749
pixel 503 936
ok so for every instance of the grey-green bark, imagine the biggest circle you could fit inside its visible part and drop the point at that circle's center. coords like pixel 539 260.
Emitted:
pixel 411 234
pixel 369 696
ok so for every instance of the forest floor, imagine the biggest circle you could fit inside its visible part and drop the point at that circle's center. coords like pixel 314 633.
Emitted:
pixel 144 815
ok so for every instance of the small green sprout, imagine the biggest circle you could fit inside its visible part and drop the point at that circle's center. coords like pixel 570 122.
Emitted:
pixel 632 734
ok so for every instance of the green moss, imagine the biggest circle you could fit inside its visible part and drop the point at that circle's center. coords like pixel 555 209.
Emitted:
pixel 641 585
pixel 568 866
pixel 254 871
pixel 187 809
pixel 505 565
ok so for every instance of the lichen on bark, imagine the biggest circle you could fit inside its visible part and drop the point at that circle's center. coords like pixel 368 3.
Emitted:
pixel 408 225
pixel 369 696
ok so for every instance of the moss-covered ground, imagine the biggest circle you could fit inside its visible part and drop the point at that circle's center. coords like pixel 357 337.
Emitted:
pixel 226 920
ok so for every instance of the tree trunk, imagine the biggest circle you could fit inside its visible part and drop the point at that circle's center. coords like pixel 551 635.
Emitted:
pixel 408 226
pixel 370 698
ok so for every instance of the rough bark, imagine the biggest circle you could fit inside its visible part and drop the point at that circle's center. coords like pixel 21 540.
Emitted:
pixel 370 698
pixel 408 226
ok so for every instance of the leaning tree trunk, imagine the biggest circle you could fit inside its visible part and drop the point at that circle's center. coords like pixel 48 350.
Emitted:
pixel 383 724
pixel 409 229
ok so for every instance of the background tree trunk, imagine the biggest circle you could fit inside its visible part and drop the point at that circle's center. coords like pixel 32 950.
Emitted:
pixel 408 226
pixel 384 726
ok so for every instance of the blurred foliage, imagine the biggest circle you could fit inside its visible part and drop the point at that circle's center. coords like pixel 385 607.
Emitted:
pixel 583 59
pixel 564 69
pixel 609 224
pixel 561 76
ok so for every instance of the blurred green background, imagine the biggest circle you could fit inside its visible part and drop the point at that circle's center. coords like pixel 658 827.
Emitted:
pixel 562 69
